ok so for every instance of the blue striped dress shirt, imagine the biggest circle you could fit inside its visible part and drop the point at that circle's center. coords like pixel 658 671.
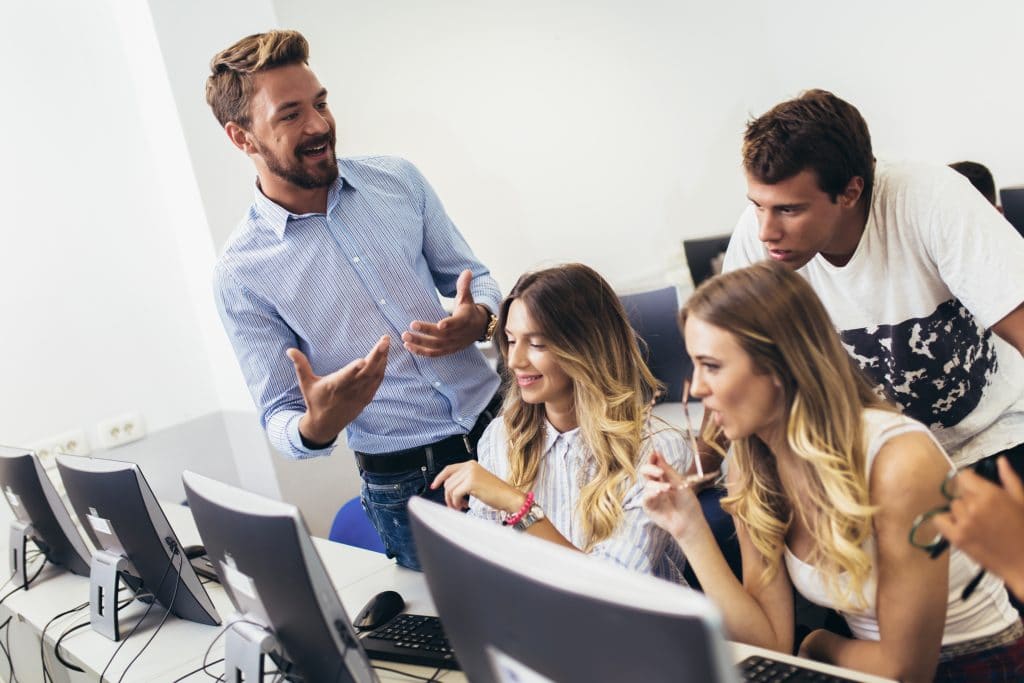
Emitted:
pixel 566 466
pixel 331 284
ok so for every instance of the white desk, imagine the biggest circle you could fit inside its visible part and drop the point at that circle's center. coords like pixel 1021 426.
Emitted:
pixel 179 647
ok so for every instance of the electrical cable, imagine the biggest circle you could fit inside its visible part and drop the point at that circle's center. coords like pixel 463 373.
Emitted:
pixel 170 606
pixel 27 584
pixel 42 637
pixel 193 672
pixel 7 650
pixel 145 614
pixel 56 645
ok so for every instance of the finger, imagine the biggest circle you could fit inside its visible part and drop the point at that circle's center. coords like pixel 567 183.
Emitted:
pixel 303 370
pixel 442 476
pixel 377 358
pixel 651 472
pixel 425 328
pixel 1011 482
pixel 426 340
pixel 463 295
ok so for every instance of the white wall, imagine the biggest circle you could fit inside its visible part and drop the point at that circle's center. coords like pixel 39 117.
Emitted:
pixel 586 130
pixel 606 131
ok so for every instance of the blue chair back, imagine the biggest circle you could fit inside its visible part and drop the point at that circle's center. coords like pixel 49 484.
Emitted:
pixel 352 527
pixel 654 316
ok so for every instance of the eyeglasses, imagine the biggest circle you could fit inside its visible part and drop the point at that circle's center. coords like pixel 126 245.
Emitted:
pixel 924 534
pixel 700 477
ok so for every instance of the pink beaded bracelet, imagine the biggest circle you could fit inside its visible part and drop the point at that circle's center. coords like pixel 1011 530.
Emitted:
pixel 514 519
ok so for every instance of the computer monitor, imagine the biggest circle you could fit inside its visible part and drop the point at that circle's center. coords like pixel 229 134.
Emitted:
pixel 40 516
pixel 704 257
pixel 286 603
pixel 517 608
pixel 135 543
pixel 1012 201
pixel 655 317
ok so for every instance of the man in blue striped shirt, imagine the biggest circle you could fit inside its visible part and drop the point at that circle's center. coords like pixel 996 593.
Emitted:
pixel 335 257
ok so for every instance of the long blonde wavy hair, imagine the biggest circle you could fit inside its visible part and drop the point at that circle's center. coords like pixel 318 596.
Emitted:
pixel 779 321
pixel 586 329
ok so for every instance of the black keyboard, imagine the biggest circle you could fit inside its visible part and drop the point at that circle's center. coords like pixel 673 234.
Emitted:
pixel 411 639
pixel 761 670
pixel 204 568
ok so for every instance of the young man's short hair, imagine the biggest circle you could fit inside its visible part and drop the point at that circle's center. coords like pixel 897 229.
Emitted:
pixel 817 131
pixel 230 85
pixel 980 177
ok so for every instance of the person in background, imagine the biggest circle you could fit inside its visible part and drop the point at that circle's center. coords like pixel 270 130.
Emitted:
pixel 916 270
pixel 980 177
pixel 562 462
pixel 824 482
pixel 335 258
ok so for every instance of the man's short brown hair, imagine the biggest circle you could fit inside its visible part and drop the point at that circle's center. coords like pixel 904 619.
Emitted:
pixel 230 85
pixel 816 131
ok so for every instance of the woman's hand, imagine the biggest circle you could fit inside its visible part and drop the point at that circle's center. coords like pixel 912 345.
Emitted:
pixel 668 500
pixel 470 478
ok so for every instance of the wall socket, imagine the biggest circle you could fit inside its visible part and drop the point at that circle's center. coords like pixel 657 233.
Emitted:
pixel 117 431
pixel 72 442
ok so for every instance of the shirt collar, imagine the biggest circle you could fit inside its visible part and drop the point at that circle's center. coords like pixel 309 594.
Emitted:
pixel 277 216
pixel 551 436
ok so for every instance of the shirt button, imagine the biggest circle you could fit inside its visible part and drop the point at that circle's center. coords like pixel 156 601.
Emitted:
pixel 436 384
pixel 355 259
pixel 382 302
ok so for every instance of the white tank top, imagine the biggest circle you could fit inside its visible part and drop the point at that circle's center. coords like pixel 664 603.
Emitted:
pixel 985 613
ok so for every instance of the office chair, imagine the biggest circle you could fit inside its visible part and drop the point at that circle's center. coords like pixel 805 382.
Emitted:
pixel 654 316
pixel 701 256
pixel 352 527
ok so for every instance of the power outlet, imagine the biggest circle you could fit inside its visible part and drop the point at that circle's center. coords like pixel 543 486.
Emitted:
pixel 72 442
pixel 117 431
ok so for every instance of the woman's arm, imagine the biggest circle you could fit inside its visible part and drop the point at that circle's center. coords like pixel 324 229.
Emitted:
pixel 912 588
pixel 755 613
pixel 470 478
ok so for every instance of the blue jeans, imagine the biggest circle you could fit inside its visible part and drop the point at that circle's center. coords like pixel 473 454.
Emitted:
pixel 385 497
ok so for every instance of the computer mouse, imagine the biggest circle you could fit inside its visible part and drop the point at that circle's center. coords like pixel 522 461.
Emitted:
pixel 193 551
pixel 382 608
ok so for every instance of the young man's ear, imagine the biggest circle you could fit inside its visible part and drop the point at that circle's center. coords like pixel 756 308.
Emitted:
pixel 239 137
pixel 849 197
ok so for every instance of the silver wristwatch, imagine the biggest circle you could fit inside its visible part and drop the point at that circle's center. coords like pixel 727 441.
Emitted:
pixel 533 515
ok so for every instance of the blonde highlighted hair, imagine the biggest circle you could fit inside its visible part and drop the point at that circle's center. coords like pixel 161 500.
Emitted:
pixel 779 321
pixel 586 329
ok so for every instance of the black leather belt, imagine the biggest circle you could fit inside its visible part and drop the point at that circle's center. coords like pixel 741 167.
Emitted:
pixel 455 448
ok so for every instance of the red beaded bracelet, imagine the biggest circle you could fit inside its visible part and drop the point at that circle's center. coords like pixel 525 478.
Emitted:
pixel 527 504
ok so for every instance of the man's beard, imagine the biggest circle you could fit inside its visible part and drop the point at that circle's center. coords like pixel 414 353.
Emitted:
pixel 325 173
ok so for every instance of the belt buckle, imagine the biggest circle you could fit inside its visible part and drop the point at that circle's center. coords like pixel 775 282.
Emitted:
pixel 469 447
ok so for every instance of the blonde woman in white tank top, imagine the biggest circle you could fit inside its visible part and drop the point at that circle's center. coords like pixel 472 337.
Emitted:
pixel 824 484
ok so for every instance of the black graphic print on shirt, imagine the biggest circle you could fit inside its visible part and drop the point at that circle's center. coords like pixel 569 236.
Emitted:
pixel 936 367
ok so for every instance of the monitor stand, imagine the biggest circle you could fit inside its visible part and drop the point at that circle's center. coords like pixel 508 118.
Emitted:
pixel 20 534
pixel 246 645
pixel 104 582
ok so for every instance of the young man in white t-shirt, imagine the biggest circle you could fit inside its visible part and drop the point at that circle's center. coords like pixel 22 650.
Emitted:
pixel 922 276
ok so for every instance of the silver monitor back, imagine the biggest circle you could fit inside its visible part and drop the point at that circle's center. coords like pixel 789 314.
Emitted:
pixel 40 510
pixel 274 576
pixel 514 606
pixel 121 516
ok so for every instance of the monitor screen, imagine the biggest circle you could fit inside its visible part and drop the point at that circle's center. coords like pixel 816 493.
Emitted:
pixel 36 503
pixel 121 515
pixel 704 257
pixel 519 608
pixel 256 543
pixel 1012 201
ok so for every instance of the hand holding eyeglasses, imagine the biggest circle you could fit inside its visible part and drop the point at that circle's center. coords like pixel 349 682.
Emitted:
pixel 986 521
